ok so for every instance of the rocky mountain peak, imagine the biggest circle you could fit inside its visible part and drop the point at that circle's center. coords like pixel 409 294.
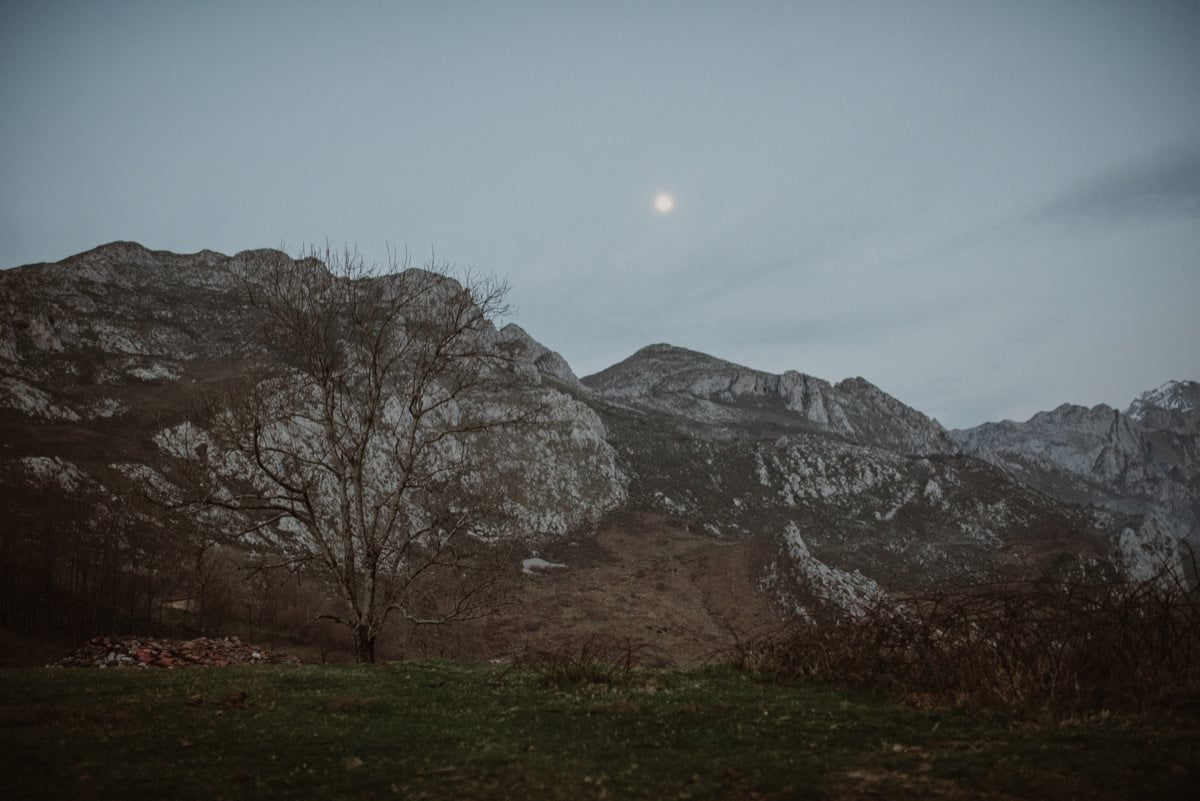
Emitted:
pixel 641 371
pixel 1145 460
pixel 705 389
pixel 123 254
pixel 1101 421
pixel 1179 397
pixel 880 418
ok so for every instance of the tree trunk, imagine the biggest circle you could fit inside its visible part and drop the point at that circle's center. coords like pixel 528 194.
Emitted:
pixel 364 644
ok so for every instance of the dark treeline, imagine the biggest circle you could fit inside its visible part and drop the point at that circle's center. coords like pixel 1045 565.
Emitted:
pixel 73 566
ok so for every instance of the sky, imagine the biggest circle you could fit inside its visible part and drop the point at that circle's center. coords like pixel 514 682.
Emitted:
pixel 985 208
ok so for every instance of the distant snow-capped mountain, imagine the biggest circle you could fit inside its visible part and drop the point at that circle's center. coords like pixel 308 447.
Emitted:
pixel 1173 396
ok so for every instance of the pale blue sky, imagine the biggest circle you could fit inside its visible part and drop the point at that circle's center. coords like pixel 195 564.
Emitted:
pixel 985 208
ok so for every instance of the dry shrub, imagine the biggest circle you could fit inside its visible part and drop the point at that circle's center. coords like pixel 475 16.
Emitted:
pixel 1034 644
pixel 595 659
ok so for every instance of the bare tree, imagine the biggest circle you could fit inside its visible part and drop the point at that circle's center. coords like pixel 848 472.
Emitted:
pixel 356 456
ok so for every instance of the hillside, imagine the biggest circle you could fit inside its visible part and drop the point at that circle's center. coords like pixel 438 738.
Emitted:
pixel 772 493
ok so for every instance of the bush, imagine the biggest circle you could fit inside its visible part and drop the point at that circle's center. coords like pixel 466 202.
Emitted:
pixel 596 659
pixel 1040 644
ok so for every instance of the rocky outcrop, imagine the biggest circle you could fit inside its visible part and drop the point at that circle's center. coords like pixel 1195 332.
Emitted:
pixel 528 350
pixel 562 478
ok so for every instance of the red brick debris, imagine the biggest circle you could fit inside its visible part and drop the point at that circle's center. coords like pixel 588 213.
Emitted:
pixel 147 652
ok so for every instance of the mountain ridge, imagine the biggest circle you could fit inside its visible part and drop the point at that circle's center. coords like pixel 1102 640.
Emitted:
pixel 845 491
pixel 705 388
pixel 1144 460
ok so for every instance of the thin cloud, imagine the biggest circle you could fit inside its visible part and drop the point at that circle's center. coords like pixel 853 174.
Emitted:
pixel 1166 185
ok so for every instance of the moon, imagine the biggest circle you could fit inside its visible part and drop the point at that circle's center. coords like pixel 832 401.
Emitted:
pixel 664 202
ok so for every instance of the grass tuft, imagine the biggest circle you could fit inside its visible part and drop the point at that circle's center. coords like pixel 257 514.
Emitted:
pixel 593 660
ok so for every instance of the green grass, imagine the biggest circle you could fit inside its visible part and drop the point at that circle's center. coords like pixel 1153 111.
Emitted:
pixel 452 731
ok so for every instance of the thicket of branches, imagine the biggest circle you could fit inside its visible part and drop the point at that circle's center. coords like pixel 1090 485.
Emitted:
pixel 1031 644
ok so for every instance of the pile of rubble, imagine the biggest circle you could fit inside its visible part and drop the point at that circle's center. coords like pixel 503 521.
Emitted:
pixel 145 652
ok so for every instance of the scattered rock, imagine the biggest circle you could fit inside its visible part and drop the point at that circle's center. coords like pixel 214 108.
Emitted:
pixel 143 652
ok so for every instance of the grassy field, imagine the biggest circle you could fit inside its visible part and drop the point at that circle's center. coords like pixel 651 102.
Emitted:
pixel 449 731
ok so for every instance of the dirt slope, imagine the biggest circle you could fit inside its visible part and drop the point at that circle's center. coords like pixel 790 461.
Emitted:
pixel 678 595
